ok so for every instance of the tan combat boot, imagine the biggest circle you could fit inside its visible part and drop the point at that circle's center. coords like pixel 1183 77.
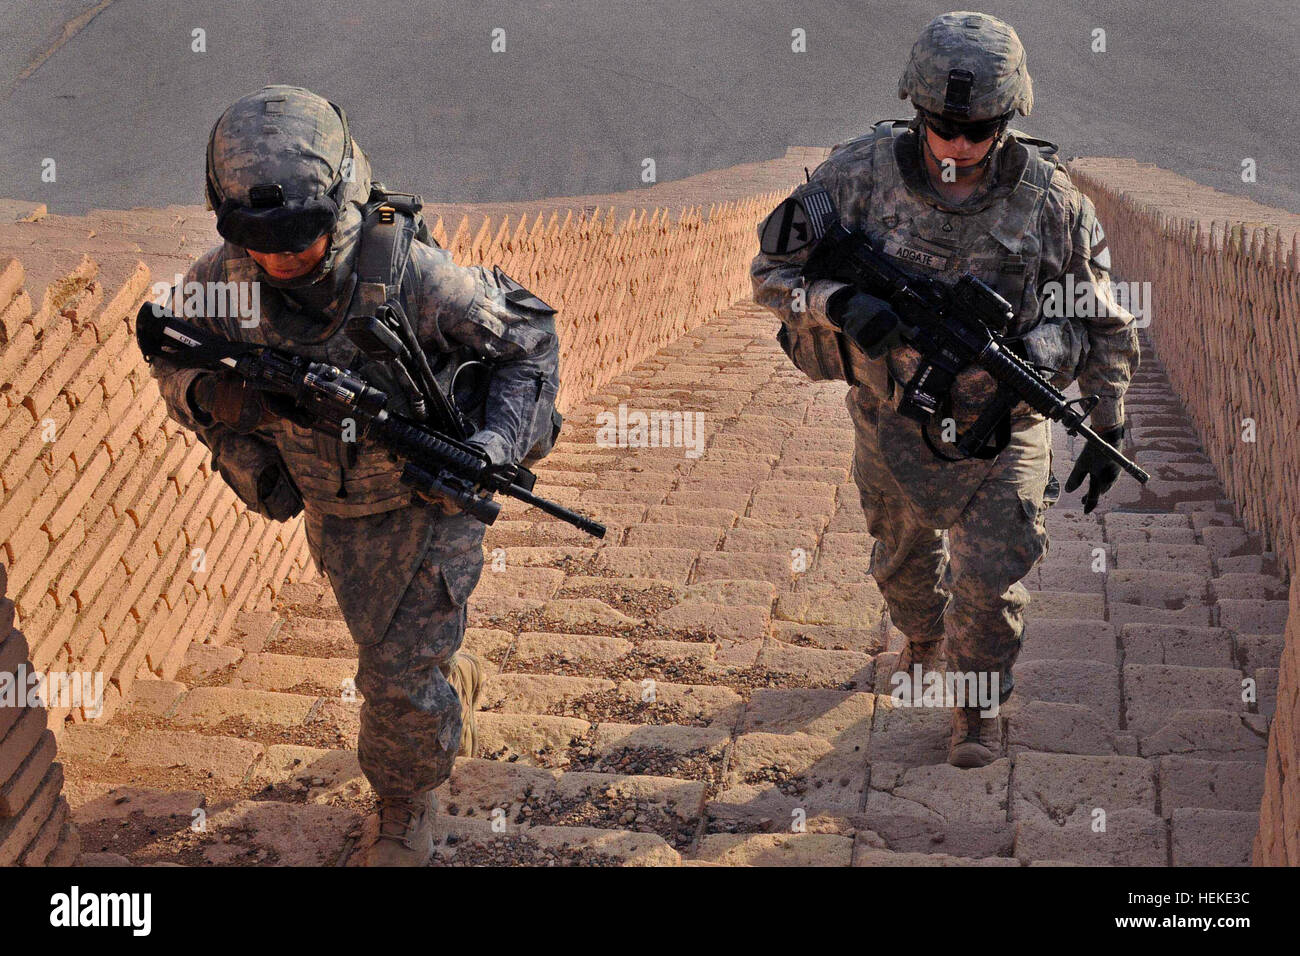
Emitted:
pixel 404 831
pixel 976 741
pixel 465 675
pixel 929 656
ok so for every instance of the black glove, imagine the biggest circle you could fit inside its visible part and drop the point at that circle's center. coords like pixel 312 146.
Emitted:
pixel 1099 469
pixel 868 322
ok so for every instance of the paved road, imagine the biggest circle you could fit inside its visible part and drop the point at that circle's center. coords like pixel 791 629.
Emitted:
pixel 587 89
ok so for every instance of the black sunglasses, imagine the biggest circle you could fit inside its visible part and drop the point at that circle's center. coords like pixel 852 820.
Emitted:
pixel 976 132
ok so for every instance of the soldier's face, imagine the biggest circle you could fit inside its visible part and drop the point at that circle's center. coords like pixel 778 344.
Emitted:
pixel 960 151
pixel 291 265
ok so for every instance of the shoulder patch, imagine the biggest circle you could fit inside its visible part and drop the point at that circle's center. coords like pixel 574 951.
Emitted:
pixel 518 296
pixel 1099 251
pixel 798 222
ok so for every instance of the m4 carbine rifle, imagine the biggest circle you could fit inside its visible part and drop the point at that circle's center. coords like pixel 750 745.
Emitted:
pixel 952 327
pixel 326 398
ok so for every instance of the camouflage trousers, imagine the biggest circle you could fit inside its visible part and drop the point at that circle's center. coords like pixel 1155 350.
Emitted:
pixel 402 579
pixel 961 583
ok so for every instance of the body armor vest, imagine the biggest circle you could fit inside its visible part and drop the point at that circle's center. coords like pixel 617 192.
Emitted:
pixel 344 478
pixel 999 244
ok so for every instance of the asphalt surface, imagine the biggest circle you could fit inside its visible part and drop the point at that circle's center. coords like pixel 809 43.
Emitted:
pixel 588 89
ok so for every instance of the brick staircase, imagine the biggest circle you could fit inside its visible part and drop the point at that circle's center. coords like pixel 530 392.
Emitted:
pixel 680 694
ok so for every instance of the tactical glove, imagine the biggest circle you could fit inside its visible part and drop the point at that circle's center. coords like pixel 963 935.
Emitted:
pixel 1100 470
pixel 868 322
pixel 228 400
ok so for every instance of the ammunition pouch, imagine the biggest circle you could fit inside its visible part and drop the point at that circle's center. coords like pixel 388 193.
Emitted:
pixel 256 473
pixel 819 352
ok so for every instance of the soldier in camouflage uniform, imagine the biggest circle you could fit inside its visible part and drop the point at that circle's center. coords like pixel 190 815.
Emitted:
pixel 402 566
pixel 954 190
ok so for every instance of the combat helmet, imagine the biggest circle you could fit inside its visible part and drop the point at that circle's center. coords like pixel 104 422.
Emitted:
pixel 968 67
pixel 279 163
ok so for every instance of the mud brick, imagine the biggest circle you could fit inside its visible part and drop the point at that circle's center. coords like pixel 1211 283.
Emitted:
pixel 18 831
pixel 679 800
pixel 807 771
pixel 1065 788
pixel 941 792
pixel 156 697
pixel 1187 558
pixel 1149 528
pixel 845 544
pixel 1048 727
pixel 1054 605
pixel 532 739
pixel 718 706
pixel 533 647
pixel 612 738
pixel 1253 616
pixel 695 517
pixel 536 583
pixel 538 693
pixel 670 536
pixel 834 637
pixel 1171 590
pixel 1171 644
pixel 910 736
pixel 912 834
pixel 1224 541
pixel 670 564
pixel 841 718
pixel 297 834
pixel 1209 735
pixel 773 567
pixel 1256 650
pixel 1208 784
pixel 1258 587
pixel 716 620
pixel 1065 639
pixel 228 759
pixel 1066 526
pixel 1091 683
pixel 844 670
pixel 1266 690
pixel 481 786
pixel 861 605
pixel 1203 837
pixel 47 837
pixel 1153 692
pixel 19 742
pixel 204 660
pixel 18 789
pixel 209 706
pixel 732 592
pixel 91 743
pixel 776 849
pixel 1067 576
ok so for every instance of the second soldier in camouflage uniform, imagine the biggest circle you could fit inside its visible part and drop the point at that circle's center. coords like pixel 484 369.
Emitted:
pixel 1008 213
pixel 402 567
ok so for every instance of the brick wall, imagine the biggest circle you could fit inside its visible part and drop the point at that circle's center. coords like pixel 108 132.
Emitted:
pixel 626 285
pixel 1226 324
pixel 105 499
pixel 35 827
